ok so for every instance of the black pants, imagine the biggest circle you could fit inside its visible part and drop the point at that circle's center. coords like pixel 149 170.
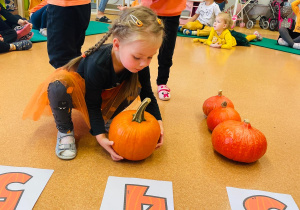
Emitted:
pixel 66 28
pixel 167 48
pixel 9 36
pixel 289 36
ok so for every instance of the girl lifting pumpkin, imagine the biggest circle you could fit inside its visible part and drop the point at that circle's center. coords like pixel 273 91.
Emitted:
pixel 102 81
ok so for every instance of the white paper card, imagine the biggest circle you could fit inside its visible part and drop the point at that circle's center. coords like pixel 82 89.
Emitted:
pixel 134 193
pixel 256 199
pixel 20 187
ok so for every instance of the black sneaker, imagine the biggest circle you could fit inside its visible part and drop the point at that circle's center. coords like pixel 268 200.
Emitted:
pixel 23 45
pixel 103 19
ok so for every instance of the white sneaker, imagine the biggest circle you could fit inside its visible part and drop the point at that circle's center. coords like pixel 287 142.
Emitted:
pixel 296 46
pixel 282 42
pixel 43 31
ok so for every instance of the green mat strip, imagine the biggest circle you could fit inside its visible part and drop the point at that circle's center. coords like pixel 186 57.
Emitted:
pixel 93 28
pixel 267 43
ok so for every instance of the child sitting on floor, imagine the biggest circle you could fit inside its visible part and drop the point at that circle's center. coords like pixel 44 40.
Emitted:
pixel 201 22
pixel 288 37
pixel 221 36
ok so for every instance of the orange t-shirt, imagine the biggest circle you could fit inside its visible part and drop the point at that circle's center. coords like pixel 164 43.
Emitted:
pixel 39 6
pixel 166 7
pixel 68 3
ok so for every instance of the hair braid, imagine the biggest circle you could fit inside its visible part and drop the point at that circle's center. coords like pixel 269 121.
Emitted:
pixel 72 64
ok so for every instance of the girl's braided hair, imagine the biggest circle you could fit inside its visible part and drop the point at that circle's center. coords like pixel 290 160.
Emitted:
pixel 126 29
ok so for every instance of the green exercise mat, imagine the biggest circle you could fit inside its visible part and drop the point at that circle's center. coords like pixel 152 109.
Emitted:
pixel 272 44
pixel 267 43
pixel 93 28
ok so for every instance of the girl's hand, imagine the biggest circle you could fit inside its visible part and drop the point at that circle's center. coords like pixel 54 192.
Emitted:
pixel 216 45
pixel 161 139
pixel 1 39
pixel 23 22
pixel 107 145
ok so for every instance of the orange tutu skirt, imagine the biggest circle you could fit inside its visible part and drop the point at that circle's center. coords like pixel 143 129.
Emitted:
pixel 39 103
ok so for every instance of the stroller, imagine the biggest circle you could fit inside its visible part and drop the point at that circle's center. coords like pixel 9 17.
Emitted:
pixel 281 11
pixel 253 11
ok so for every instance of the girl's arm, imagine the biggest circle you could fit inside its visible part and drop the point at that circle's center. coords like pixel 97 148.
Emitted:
pixel 210 37
pixel 295 7
pixel 7 15
pixel 193 18
pixel 228 41
pixel 152 108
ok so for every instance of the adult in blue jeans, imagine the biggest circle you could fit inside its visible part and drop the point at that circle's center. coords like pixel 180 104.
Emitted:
pixel 39 20
pixel 100 14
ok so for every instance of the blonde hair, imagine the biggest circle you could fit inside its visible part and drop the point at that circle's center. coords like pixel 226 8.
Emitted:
pixel 227 19
pixel 126 29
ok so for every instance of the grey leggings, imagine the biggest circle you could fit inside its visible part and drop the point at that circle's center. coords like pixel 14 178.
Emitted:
pixel 289 36
pixel 61 106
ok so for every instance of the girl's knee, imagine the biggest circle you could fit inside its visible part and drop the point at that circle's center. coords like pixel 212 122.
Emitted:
pixel 58 96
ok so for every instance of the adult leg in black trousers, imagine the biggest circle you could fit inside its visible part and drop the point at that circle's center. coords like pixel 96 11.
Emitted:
pixel 66 28
pixel 167 49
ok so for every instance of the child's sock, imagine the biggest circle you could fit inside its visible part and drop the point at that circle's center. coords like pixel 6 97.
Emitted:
pixel 43 31
pixel 258 36
pixel 12 47
pixel 282 42
pixel 22 30
pixel 296 46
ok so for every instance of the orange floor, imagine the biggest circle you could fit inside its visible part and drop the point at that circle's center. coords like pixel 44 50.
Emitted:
pixel 263 84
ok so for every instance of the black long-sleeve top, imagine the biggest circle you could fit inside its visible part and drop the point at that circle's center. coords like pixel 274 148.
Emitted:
pixel 8 16
pixel 98 72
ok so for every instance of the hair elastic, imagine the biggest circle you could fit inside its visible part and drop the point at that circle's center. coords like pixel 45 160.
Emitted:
pixel 83 55
pixel 136 21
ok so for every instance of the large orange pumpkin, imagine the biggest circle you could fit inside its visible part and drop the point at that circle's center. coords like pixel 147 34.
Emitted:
pixel 135 133
pixel 221 114
pixel 214 102
pixel 239 141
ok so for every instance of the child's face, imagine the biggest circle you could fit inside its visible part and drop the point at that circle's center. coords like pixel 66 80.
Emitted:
pixel 219 24
pixel 137 55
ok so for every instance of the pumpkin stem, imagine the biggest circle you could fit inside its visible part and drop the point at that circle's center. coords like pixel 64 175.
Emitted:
pixel 247 123
pixel 224 104
pixel 139 115
pixel 220 92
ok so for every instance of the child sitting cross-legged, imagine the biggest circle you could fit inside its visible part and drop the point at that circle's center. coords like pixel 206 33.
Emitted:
pixel 222 37
pixel 200 23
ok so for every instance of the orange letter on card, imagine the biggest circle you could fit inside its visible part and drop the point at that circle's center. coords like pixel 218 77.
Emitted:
pixel 135 198
pixel 9 199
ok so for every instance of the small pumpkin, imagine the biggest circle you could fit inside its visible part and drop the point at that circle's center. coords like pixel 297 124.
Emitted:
pixel 214 102
pixel 239 141
pixel 135 133
pixel 221 114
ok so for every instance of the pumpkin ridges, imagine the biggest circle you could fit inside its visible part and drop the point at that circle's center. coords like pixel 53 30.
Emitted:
pixel 239 142
pixel 215 102
pixel 134 140
pixel 221 114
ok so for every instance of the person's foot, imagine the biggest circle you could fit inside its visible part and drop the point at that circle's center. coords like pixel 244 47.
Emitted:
pixel 258 36
pixel 22 30
pixel 43 31
pixel 22 45
pixel 27 37
pixel 163 92
pixel 65 146
pixel 180 29
pixel 103 19
pixel 296 46
pixel 187 32
pixel 282 42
